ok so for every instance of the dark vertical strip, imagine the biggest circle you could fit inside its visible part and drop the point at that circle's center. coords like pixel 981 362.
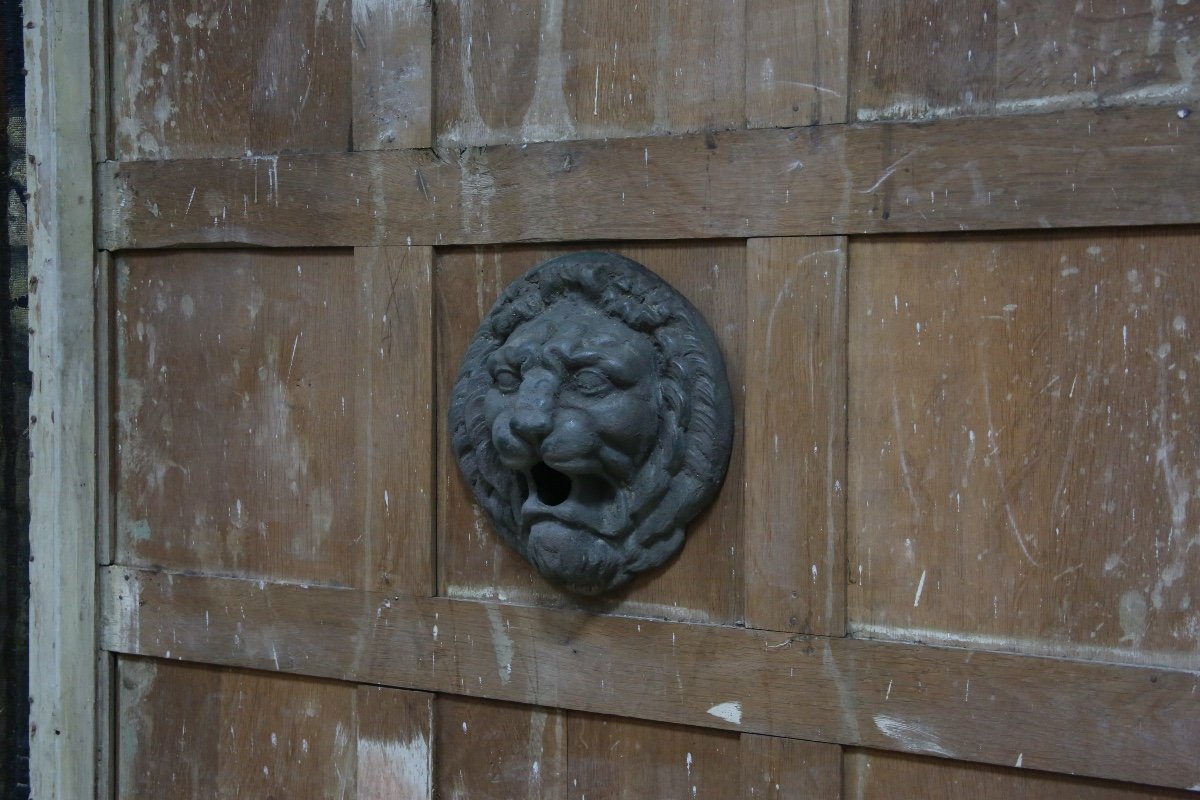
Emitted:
pixel 14 404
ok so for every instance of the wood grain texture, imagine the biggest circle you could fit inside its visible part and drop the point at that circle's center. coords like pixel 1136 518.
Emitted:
pixel 1129 167
pixel 775 767
pixel 268 418
pixel 395 435
pixel 877 775
pixel 63 694
pixel 1024 443
pixel 499 750
pixel 205 78
pixel 704 583
pixel 549 70
pixel 395 744
pixel 796 52
pixel 1121 722
pixel 628 759
pixel 934 58
pixel 392 79
pixel 795 434
pixel 197 731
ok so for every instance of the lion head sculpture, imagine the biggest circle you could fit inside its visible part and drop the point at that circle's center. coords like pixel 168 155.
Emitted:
pixel 592 418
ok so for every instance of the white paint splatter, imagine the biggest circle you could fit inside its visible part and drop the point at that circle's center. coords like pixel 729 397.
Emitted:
pixel 502 644
pixel 920 589
pixel 730 712
pixel 915 735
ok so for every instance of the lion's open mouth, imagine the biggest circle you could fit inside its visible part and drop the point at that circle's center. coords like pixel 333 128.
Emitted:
pixel 552 487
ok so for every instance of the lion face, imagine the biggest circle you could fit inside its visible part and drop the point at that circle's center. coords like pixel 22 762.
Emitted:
pixel 573 410
pixel 592 418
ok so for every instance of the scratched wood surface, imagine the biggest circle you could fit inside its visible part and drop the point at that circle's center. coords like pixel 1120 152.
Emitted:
pixel 269 411
pixel 795 434
pixel 630 759
pixel 933 58
pixel 204 78
pixel 704 583
pixel 1078 169
pixel 392 83
pixel 1024 445
pixel 547 70
pixel 880 775
pixel 796 54
pixel 1103 720
pixel 188 730
pixel 775 767
pixel 499 750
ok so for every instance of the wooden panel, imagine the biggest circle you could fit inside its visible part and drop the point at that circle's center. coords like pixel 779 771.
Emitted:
pixel 1067 170
pixel 500 750
pixel 1103 720
pixel 876 775
pixel 795 426
pixel 65 702
pixel 393 73
pixel 203 78
pixel 395 435
pixel 395 744
pixel 777 768
pixel 934 58
pixel 195 731
pixel 620 758
pixel 704 582
pixel 1024 447
pixel 267 405
pixel 796 62
pixel 546 70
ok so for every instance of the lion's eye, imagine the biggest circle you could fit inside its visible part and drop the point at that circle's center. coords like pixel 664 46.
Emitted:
pixel 591 381
pixel 506 380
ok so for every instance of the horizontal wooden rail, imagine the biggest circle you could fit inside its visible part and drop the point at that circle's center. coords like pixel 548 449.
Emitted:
pixel 1076 169
pixel 1128 723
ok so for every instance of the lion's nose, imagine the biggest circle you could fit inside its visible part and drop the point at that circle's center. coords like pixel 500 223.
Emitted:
pixel 532 420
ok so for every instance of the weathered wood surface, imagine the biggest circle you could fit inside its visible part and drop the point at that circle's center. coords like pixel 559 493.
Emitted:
pixel 1086 168
pixel 774 767
pixel 191 730
pixel 795 434
pixel 627 759
pixel 935 58
pixel 392 80
pixel 704 583
pixel 499 750
pixel 205 78
pixel 879 775
pixel 546 70
pixel 266 420
pixel 1025 440
pixel 1123 722
pixel 62 423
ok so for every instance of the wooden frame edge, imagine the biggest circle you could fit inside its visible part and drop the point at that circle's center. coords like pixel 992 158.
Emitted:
pixel 64 669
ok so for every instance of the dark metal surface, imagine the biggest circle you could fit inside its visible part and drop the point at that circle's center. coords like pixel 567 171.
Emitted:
pixel 592 418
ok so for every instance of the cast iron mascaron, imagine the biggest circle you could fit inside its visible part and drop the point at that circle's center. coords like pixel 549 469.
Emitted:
pixel 592 418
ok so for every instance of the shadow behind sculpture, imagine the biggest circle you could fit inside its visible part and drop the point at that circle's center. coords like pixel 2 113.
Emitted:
pixel 592 418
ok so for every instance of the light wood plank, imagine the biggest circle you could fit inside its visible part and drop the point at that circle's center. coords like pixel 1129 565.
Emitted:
pixel 204 78
pixel 796 52
pixel 395 744
pixel 500 750
pixel 62 422
pixel 936 58
pixel 1025 444
pixel 553 70
pixel 795 446
pixel 1067 170
pixel 1122 722
pixel 627 759
pixel 395 435
pixel 393 73
pixel 774 767
pixel 877 775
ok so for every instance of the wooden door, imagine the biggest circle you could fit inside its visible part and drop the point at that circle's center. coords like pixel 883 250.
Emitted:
pixel 946 248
